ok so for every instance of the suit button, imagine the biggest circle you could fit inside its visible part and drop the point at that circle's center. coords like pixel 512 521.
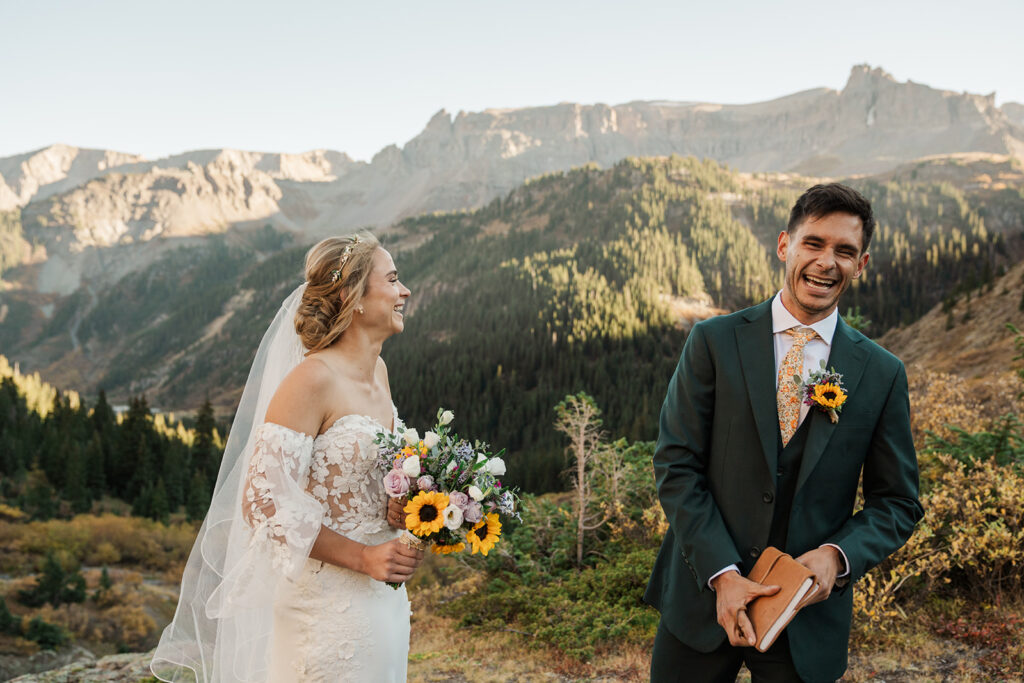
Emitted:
pixel 767 497
pixel 755 551
pixel 780 472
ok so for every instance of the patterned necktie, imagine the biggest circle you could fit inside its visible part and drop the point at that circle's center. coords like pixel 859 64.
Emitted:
pixel 788 397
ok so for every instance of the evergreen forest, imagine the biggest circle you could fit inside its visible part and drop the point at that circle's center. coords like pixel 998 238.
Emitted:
pixel 586 280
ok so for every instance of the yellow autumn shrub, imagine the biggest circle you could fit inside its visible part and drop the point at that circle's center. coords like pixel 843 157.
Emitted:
pixel 938 399
pixel 970 544
pixel 96 540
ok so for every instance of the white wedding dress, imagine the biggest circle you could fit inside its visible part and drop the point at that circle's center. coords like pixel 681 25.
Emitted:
pixel 329 623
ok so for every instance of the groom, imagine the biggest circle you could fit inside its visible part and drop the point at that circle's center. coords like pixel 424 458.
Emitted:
pixel 742 464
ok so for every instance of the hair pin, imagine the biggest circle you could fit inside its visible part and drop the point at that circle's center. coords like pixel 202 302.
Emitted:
pixel 345 254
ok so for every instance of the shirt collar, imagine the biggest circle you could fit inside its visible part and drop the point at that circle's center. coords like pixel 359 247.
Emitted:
pixel 783 320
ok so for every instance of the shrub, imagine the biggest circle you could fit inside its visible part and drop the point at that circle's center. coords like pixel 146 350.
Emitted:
pixel 48 635
pixel 597 609
pixel 970 544
pixel 97 540
pixel 54 585
pixel 9 623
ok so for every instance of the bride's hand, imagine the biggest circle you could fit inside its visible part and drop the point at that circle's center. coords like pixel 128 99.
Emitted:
pixel 391 561
pixel 396 512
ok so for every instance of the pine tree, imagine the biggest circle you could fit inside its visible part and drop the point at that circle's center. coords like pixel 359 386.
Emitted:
pixel 75 489
pixel 159 508
pixel 9 623
pixel 49 636
pixel 105 582
pixel 40 499
pixel 95 466
pixel 142 504
pixel 175 474
pixel 49 585
pixel 205 458
pixel 133 467
pixel 198 499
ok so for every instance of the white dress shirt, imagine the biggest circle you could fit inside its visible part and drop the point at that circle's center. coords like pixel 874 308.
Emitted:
pixel 815 351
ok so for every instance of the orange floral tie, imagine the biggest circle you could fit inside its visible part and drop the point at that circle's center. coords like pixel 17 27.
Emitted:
pixel 788 397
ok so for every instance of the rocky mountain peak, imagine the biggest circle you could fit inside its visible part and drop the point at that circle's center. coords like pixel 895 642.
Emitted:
pixel 44 172
pixel 863 76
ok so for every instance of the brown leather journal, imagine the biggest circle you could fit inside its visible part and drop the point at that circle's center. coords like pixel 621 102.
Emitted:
pixel 769 614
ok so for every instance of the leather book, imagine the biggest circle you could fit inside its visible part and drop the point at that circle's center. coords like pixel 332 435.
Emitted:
pixel 770 614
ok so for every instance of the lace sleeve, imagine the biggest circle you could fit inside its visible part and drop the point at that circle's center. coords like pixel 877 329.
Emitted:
pixel 283 517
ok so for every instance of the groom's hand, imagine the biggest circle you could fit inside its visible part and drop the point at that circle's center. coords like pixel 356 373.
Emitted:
pixel 826 563
pixel 734 593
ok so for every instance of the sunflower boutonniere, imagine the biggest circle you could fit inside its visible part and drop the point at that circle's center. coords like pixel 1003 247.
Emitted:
pixel 824 389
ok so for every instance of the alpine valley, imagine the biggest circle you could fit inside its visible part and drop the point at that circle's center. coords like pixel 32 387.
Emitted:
pixel 549 249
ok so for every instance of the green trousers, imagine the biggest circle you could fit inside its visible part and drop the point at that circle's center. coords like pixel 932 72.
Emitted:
pixel 675 662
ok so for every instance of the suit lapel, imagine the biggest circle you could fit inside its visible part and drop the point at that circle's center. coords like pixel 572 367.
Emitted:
pixel 848 356
pixel 757 359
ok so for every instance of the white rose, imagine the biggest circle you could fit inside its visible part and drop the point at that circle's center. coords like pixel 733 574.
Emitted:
pixel 447 417
pixel 430 439
pixel 475 493
pixel 411 436
pixel 411 466
pixel 453 517
pixel 496 466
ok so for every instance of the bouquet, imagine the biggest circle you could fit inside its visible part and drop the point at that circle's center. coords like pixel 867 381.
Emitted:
pixel 454 491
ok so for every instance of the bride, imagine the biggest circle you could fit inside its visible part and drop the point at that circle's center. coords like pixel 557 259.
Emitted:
pixel 285 581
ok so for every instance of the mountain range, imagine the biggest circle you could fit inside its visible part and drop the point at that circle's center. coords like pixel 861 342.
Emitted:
pixel 119 272
pixel 77 203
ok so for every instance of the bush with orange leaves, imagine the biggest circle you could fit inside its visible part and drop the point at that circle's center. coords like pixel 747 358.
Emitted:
pixel 970 545
pixel 938 399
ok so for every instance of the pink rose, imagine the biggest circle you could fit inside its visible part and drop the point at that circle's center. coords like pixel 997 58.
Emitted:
pixel 459 500
pixel 396 483
pixel 473 513
pixel 425 483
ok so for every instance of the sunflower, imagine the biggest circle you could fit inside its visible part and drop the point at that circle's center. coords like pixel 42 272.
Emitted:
pixel 829 395
pixel 440 549
pixel 485 534
pixel 425 513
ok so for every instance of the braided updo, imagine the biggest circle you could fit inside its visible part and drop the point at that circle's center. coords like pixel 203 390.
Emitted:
pixel 333 289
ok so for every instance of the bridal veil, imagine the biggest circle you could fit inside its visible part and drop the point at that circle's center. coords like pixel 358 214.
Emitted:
pixel 224 620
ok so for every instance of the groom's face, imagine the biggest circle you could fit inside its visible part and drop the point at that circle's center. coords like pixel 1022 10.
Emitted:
pixel 822 256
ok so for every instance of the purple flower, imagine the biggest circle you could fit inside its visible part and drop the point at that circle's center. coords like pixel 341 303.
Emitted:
pixel 459 499
pixel 464 451
pixel 396 483
pixel 473 513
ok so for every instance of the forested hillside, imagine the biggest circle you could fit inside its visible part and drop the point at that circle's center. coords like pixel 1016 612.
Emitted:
pixel 586 280
pixel 61 456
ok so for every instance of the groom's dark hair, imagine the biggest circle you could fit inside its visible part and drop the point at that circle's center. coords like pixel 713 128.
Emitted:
pixel 821 200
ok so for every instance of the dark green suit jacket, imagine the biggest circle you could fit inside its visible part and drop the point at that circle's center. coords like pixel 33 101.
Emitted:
pixel 715 467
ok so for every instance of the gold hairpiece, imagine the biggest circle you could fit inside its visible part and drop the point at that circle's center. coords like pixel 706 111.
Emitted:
pixel 336 274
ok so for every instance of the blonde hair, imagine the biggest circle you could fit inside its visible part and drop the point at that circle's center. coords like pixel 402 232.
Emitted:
pixel 337 270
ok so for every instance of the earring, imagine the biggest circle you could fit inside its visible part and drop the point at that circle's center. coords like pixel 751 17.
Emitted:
pixel 360 310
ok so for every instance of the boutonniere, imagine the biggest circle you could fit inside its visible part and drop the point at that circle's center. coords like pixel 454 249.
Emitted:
pixel 824 389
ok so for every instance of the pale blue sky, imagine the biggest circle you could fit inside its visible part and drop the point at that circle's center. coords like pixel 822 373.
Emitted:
pixel 158 78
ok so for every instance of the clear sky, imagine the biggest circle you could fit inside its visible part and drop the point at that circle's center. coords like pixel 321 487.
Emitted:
pixel 158 78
